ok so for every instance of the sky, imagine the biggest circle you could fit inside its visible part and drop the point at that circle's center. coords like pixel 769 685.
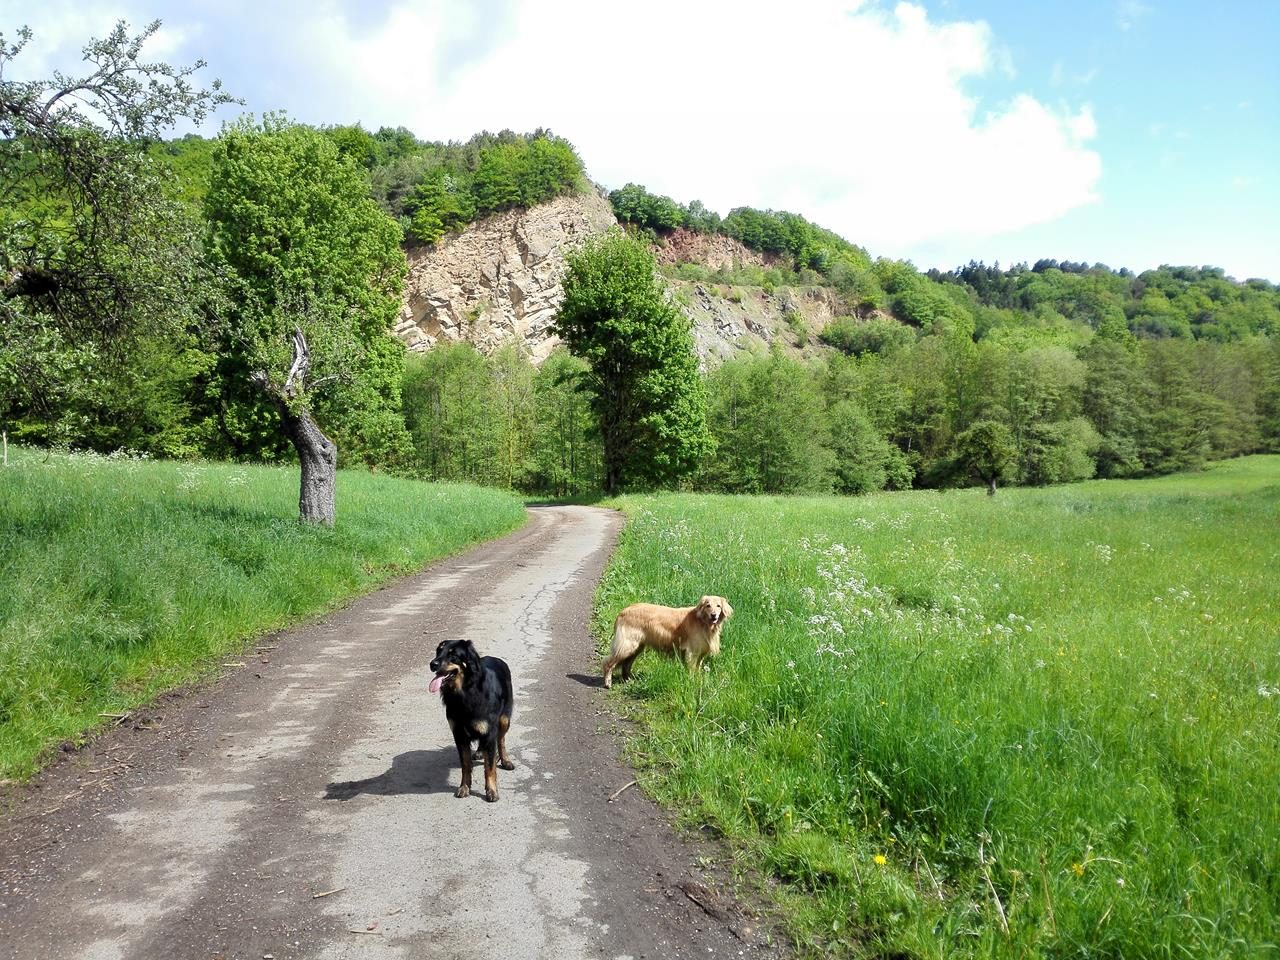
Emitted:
pixel 1128 132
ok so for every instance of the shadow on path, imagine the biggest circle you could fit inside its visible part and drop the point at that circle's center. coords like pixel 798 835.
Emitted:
pixel 417 771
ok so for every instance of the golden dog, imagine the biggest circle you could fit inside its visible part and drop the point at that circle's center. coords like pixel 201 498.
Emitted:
pixel 693 633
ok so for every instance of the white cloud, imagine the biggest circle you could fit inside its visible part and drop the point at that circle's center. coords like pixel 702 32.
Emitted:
pixel 1130 13
pixel 61 28
pixel 861 117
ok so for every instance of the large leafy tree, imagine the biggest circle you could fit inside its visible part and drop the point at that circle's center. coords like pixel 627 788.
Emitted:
pixel 316 272
pixel 93 254
pixel 450 413
pixel 644 382
pixel 566 449
pixel 987 451
pixel 771 429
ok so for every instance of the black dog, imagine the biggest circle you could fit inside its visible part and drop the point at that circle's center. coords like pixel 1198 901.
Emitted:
pixel 478 701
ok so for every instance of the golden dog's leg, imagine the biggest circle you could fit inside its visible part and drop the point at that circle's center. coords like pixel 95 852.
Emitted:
pixel 626 666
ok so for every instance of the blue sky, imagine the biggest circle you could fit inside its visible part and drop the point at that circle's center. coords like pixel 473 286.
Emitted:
pixel 1187 102
pixel 1132 132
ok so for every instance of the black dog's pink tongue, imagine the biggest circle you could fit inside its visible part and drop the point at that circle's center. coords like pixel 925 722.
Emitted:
pixel 436 683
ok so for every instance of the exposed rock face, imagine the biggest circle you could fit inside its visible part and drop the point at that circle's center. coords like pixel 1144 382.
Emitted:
pixel 713 251
pixel 728 320
pixel 499 281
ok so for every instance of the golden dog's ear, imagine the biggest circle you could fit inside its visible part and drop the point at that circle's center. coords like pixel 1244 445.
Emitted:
pixel 728 610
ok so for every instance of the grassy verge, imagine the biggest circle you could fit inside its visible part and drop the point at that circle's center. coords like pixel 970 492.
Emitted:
pixel 119 578
pixel 1040 724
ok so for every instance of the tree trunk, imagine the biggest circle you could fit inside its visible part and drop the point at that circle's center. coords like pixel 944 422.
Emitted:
pixel 991 486
pixel 318 456
pixel 611 441
pixel 612 478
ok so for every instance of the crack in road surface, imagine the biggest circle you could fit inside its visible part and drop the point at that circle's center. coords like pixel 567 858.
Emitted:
pixel 303 806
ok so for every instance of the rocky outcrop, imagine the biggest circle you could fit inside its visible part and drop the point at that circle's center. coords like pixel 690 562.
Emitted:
pixel 728 320
pixel 499 281
pixel 713 250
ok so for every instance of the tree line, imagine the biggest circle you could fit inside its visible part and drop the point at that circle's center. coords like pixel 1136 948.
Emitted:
pixel 233 298
pixel 1177 302
pixel 893 413
pixel 431 189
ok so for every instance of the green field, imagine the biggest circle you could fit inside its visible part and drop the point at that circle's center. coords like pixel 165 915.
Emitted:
pixel 122 577
pixel 1041 724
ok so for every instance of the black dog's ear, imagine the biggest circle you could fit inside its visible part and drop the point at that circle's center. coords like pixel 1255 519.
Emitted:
pixel 471 657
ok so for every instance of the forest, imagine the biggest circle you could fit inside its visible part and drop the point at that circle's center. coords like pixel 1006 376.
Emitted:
pixel 147 301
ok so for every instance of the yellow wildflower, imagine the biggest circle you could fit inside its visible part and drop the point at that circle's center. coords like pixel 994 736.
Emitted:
pixel 880 859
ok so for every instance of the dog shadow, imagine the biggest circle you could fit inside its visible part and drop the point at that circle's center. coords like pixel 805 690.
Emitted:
pixel 585 680
pixel 415 771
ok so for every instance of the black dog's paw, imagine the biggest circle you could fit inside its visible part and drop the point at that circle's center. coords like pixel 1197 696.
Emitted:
pixel 462 791
pixel 507 764
pixel 491 796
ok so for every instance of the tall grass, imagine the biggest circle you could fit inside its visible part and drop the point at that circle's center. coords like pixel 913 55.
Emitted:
pixel 121 577
pixel 1041 724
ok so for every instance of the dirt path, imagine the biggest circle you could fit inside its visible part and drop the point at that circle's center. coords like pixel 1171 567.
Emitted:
pixel 208 828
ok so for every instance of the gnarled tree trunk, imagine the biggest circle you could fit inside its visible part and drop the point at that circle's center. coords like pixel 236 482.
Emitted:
pixel 317 454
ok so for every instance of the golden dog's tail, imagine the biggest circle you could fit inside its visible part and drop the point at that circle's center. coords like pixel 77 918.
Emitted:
pixel 621 652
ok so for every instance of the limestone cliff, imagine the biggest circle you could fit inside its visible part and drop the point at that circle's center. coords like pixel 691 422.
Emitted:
pixel 499 282
pixel 728 320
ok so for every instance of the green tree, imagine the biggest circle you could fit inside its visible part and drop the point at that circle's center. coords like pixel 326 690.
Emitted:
pixel 770 427
pixel 644 382
pixel 1178 426
pixel 1265 357
pixel 513 392
pixel 986 451
pixel 497 180
pixel 439 204
pixel 878 335
pixel 316 273
pixel 865 459
pixel 1228 375
pixel 94 255
pixel 452 413
pixel 355 143
pixel 1115 398
pixel 1041 391
pixel 566 445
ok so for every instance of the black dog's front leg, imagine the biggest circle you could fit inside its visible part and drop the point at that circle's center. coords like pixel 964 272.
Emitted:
pixel 463 743
pixel 490 747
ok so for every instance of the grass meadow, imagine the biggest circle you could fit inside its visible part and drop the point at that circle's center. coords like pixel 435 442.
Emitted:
pixel 1044 724
pixel 122 577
